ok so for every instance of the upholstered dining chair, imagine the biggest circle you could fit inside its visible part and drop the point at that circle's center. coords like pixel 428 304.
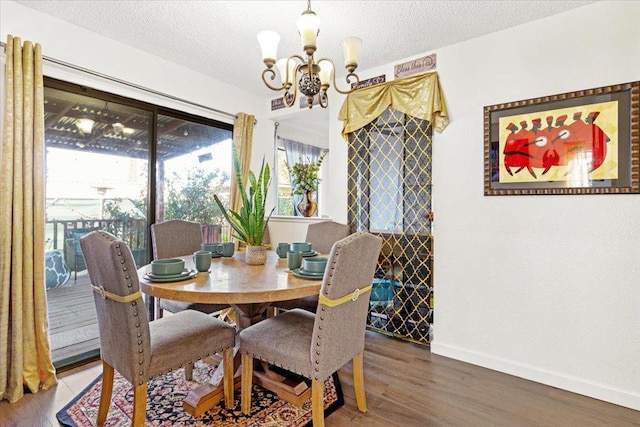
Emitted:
pixel 138 349
pixel 322 236
pixel 315 346
pixel 174 238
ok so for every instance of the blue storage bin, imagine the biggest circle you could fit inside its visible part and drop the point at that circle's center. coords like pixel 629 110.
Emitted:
pixel 381 293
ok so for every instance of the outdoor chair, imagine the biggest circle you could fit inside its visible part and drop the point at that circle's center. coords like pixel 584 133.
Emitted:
pixel 322 236
pixel 316 346
pixel 72 251
pixel 138 349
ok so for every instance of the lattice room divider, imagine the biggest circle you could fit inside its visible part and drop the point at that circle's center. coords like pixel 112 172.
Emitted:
pixel 389 194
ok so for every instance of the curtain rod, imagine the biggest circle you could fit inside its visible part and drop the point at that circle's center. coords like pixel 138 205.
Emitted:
pixel 129 84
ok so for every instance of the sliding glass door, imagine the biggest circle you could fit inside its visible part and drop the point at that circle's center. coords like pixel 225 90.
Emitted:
pixel 97 169
pixel 118 165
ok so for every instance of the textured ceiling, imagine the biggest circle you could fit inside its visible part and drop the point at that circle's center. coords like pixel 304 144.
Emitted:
pixel 218 38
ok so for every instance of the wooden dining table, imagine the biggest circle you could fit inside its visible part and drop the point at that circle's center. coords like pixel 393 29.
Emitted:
pixel 250 290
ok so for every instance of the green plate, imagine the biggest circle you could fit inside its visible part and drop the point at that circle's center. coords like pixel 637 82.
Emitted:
pixel 168 276
pixel 187 274
pixel 310 253
pixel 297 273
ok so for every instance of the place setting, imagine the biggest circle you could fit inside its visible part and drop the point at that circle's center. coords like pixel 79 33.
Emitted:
pixel 305 267
pixel 225 249
pixel 311 268
pixel 170 270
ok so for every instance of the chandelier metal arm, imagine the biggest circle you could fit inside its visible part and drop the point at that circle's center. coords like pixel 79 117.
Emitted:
pixel 353 85
pixel 273 77
pixel 323 99
pixel 285 79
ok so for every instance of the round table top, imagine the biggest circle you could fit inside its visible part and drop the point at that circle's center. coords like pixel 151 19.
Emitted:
pixel 232 281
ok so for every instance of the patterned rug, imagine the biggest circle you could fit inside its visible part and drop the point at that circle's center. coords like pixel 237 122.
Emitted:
pixel 164 404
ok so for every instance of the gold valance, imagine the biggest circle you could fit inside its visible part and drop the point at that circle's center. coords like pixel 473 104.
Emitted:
pixel 418 96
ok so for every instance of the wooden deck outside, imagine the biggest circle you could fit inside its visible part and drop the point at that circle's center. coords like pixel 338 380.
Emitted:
pixel 73 326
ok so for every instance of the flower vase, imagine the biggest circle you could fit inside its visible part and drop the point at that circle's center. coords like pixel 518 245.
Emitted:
pixel 307 206
pixel 255 255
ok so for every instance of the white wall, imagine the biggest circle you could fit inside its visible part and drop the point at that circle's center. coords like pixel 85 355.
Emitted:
pixel 542 287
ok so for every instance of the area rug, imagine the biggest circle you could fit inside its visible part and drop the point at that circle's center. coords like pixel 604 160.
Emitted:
pixel 164 404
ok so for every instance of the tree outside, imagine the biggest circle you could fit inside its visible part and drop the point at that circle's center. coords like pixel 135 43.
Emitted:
pixel 190 196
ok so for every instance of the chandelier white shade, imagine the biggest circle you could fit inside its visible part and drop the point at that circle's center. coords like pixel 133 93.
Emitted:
pixel 306 74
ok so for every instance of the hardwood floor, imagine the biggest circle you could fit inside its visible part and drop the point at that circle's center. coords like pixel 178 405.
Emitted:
pixel 406 386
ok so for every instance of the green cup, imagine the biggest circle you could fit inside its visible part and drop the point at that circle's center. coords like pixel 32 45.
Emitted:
pixel 202 260
pixel 228 248
pixel 294 259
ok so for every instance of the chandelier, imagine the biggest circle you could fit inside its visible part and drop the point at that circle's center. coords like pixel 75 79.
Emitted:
pixel 309 76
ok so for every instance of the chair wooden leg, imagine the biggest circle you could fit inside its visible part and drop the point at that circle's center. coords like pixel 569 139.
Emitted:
pixel 188 371
pixel 317 403
pixel 228 373
pixel 105 393
pixel 247 377
pixel 358 381
pixel 139 405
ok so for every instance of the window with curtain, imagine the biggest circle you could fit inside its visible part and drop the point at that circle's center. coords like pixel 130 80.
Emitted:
pixel 291 153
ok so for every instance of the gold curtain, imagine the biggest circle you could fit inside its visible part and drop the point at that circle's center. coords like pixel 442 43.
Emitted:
pixel 418 96
pixel 243 140
pixel 25 355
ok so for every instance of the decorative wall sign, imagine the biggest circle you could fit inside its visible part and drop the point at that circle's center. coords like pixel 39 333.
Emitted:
pixel 584 142
pixel 370 82
pixel 415 66
pixel 277 104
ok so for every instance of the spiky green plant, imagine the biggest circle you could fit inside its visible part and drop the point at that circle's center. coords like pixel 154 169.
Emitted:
pixel 250 224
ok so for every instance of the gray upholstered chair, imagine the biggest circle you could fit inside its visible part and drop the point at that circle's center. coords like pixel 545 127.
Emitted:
pixel 138 349
pixel 315 346
pixel 322 236
pixel 174 238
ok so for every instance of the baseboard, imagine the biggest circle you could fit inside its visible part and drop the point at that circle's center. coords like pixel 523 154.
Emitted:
pixel 553 379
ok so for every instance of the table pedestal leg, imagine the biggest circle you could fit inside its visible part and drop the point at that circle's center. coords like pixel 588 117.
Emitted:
pixel 205 397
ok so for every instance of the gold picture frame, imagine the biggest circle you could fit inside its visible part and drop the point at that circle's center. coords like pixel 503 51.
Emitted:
pixel 583 142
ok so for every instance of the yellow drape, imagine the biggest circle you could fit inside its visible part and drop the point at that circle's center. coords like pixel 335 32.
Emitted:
pixel 243 140
pixel 25 355
pixel 418 96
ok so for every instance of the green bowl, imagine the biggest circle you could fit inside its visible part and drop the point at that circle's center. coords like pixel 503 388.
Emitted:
pixel 167 266
pixel 314 265
pixel 301 246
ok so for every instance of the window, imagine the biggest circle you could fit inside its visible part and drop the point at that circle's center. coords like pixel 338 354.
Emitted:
pixel 285 195
pixel 292 152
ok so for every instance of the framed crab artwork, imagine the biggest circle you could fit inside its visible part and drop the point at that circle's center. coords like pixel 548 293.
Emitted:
pixel 584 142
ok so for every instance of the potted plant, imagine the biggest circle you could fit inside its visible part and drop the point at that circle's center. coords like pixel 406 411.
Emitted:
pixel 304 181
pixel 250 224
